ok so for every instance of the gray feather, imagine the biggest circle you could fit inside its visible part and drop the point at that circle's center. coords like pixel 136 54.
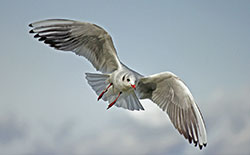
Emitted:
pixel 172 96
pixel 84 39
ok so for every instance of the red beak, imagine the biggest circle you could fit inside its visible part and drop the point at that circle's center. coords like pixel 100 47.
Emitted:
pixel 133 86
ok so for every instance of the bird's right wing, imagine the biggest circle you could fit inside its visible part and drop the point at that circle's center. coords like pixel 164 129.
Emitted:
pixel 173 97
pixel 84 39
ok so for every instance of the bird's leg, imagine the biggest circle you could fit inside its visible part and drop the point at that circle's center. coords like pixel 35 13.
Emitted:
pixel 111 104
pixel 104 91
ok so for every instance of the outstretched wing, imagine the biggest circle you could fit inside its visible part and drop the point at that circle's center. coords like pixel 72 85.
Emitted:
pixel 84 39
pixel 173 97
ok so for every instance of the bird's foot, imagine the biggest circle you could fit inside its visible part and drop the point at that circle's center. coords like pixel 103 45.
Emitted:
pixel 104 91
pixel 100 96
pixel 111 104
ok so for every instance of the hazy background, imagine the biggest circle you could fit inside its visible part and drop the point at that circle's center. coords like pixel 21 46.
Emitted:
pixel 47 107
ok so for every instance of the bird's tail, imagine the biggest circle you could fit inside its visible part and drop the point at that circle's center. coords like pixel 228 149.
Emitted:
pixel 98 82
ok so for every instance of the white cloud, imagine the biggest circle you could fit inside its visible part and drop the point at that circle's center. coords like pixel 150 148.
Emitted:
pixel 227 118
pixel 152 116
pixel 149 132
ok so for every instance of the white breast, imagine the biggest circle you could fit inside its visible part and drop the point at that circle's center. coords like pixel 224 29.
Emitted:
pixel 118 84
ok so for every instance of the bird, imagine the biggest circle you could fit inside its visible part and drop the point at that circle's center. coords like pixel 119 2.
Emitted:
pixel 118 84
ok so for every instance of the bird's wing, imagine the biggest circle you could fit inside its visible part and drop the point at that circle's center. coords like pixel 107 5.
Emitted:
pixel 84 39
pixel 173 96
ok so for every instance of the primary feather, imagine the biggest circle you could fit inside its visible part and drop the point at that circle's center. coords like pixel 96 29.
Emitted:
pixel 173 96
pixel 84 39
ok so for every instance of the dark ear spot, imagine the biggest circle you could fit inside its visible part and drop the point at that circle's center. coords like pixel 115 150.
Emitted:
pixel 123 78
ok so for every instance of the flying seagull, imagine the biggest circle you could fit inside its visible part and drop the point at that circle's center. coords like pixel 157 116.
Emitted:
pixel 120 85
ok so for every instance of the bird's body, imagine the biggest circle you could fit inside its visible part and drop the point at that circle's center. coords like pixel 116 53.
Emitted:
pixel 117 79
pixel 118 84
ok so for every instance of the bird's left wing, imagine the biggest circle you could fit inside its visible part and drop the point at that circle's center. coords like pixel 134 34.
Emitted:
pixel 173 96
pixel 84 39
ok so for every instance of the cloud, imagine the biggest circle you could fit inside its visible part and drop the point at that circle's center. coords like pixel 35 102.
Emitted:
pixel 226 113
pixel 11 129
pixel 227 120
pixel 119 131
pixel 13 133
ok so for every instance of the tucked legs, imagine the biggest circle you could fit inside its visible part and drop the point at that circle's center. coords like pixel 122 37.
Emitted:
pixel 104 91
pixel 111 104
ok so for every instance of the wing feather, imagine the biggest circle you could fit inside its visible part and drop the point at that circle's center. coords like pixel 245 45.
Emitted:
pixel 173 96
pixel 84 39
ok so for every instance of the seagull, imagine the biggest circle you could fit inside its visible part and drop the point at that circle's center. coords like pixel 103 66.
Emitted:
pixel 117 83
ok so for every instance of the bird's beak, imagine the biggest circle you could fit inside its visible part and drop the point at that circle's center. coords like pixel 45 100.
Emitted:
pixel 133 86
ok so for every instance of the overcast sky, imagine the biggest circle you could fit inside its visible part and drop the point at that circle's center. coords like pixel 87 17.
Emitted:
pixel 47 107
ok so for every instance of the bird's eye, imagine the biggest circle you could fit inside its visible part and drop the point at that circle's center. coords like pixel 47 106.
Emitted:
pixel 128 80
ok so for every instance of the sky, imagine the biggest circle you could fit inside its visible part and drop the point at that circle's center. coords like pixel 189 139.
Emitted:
pixel 47 107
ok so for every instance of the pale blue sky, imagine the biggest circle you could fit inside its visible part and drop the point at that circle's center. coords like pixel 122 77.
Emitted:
pixel 47 107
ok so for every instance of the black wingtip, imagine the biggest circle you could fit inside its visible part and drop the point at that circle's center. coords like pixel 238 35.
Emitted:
pixel 49 42
pixel 36 36
pixel 31 31
pixel 195 143
pixel 205 144
pixel 200 146
pixel 42 38
pixel 30 25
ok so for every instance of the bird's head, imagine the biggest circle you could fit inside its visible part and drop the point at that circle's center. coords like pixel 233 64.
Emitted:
pixel 129 81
